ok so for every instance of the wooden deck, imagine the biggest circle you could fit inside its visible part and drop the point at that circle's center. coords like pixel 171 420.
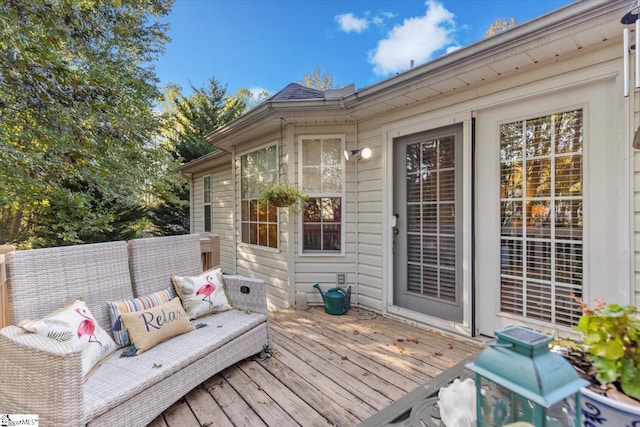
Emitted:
pixel 325 370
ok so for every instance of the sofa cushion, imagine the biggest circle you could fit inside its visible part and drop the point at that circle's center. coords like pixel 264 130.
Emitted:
pixel 120 378
pixel 74 324
pixel 116 308
pixel 43 280
pixel 156 324
pixel 154 260
pixel 203 294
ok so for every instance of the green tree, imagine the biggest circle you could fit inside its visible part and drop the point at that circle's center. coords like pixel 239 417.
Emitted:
pixel 319 80
pixel 500 25
pixel 188 120
pixel 77 91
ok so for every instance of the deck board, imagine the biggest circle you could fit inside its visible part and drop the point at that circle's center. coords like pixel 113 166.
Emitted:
pixel 325 370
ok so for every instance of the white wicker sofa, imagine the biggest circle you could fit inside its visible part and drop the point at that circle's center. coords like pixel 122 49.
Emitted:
pixel 41 376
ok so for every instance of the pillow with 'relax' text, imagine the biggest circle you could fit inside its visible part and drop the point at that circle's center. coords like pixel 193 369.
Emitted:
pixel 156 324
pixel 116 308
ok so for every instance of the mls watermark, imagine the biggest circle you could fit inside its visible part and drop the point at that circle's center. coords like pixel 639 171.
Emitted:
pixel 10 420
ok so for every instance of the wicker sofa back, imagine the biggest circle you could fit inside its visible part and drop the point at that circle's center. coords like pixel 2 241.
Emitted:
pixel 44 377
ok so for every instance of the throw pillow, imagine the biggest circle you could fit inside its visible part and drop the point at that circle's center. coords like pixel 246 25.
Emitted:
pixel 116 308
pixel 74 324
pixel 202 294
pixel 156 324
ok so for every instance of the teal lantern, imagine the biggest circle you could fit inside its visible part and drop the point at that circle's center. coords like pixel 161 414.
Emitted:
pixel 519 380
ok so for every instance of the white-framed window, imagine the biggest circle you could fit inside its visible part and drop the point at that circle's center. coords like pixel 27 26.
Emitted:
pixel 541 217
pixel 258 169
pixel 206 186
pixel 322 178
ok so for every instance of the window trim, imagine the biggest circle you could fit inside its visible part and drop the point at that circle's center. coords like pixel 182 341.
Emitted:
pixel 239 195
pixel 206 204
pixel 342 195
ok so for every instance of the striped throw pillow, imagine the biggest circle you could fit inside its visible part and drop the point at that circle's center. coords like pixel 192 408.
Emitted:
pixel 145 302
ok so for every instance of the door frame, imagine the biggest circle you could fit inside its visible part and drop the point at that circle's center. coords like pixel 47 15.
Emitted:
pixel 418 124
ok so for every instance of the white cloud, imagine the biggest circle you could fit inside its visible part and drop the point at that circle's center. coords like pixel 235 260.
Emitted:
pixel 348 23
pixel 416 39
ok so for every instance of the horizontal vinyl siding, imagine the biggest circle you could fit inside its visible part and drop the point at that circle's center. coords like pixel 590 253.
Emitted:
pixel 264 263
pixel 323 269
pixel 198 208
pixel 222 215
pixel 370 220
pixel 221 211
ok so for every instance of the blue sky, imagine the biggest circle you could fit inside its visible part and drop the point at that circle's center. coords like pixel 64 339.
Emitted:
pixel 267 44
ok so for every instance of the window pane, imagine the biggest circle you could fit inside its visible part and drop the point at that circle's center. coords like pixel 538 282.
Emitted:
pixel 332 179
pixel 312 179
pixel 258 170
pixel 331 209
pixel 207 218
pixel 569 176
pixel 311 152
pixel 312 210
pixel 543 266
pixel 312 237
pixel 207 189
pixel 331 237
pixel 322 175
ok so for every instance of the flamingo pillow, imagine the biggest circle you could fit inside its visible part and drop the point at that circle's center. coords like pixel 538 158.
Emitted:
pixel 74 324
pixel 203 294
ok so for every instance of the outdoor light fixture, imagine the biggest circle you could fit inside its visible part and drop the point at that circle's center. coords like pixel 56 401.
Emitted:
pixel 519 380
pixel 360 154
pixel 631 17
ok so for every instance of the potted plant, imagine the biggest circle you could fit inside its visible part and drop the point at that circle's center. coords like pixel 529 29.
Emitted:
pixel 281 196
pixel 609 357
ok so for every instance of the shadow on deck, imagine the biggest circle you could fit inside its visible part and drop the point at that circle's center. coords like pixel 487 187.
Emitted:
pixel 325 370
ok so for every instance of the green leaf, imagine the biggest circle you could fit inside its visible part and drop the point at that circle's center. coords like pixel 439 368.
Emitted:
pixel 611 350
pixel 61 336
pixel 630 380
pixel 607 370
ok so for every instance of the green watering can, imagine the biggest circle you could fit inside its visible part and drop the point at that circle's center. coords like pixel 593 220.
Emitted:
pixel 336 300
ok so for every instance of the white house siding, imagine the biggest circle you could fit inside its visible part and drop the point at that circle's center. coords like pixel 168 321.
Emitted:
pixel 261 262
pixel 370 257
pixel 221 211
pixel 322 269
pixel 369 225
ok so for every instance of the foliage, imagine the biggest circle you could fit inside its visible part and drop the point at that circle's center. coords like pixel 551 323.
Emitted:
pixel 281 196
pixel 500 25
pixel 318 80
pixel 252 98
pixel 170 214
pixel 611 333
pixel 204 111
pixel 77 91
pixel 188 119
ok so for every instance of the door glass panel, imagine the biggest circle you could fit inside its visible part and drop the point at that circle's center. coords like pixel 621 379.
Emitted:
pixel 541 217
pixel 431 218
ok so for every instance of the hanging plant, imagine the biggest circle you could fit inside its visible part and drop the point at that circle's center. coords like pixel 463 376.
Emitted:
pixel 281 196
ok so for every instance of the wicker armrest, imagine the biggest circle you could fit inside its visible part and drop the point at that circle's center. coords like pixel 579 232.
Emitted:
pixel 40 376
pixel 246 293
